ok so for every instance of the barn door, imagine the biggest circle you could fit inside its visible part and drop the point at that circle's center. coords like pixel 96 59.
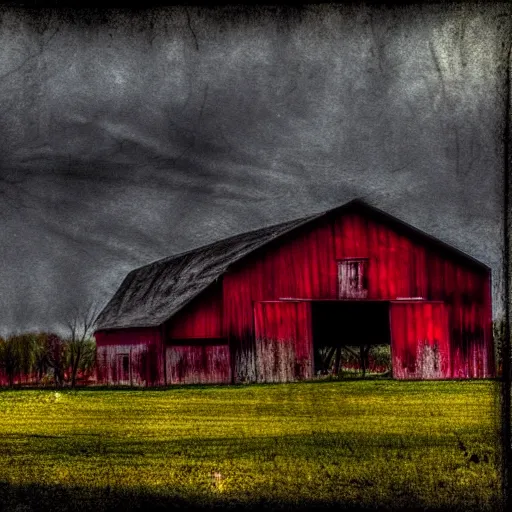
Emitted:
pixel 284 345
pixel 419 340
pixel 123 369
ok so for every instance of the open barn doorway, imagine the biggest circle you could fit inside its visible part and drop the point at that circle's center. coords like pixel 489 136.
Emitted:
pixel 350 329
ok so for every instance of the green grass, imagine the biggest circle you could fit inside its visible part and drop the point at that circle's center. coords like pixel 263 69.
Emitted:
pixel 429 444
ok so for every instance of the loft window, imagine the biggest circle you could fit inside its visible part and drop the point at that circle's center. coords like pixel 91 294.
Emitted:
pixel 353 278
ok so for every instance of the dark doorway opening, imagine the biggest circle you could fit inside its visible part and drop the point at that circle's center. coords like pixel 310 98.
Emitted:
pixel 352 328
pixel 123 369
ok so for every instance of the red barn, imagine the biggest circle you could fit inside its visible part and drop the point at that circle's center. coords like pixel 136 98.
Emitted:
pixel 260 306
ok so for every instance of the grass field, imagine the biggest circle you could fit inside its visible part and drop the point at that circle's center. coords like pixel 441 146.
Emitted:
pixel 353 443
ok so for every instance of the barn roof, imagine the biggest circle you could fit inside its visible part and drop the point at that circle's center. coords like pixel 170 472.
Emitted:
pixel 152 294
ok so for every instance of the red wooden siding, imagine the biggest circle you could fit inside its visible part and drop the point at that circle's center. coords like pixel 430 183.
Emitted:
pixel 304 265
pixel 144 349
pixel 198 364
pixel 283 341
pixel 420 343
pixel 202 318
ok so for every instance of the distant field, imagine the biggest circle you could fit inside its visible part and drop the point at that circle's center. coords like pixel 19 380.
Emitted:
pixel 386 442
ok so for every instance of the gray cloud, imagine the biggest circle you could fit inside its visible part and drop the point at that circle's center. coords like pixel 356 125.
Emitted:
pixel 128 137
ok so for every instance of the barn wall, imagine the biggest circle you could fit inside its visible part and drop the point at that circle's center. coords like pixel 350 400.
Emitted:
pixel 420 343
pixel 202 318
pixel 144 348
pixel 205 357
pixel 199 363
pixel 283 333
pixel 304 265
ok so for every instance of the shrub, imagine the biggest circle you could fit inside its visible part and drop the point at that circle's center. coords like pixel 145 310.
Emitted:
pixel 498 331
pixel 9 359
pixel 379 359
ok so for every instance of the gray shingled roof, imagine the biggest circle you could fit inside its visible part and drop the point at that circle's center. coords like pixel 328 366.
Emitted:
pixel 152 294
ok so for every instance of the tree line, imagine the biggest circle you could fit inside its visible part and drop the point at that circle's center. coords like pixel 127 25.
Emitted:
pixel 42 358
pixel 45 358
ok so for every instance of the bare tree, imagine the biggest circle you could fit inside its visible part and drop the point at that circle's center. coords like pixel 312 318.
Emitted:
pixel 80 345
pixel 55 351
pixel 41 365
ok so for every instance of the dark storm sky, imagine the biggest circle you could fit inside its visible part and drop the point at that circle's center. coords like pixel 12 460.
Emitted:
pixel 126 137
